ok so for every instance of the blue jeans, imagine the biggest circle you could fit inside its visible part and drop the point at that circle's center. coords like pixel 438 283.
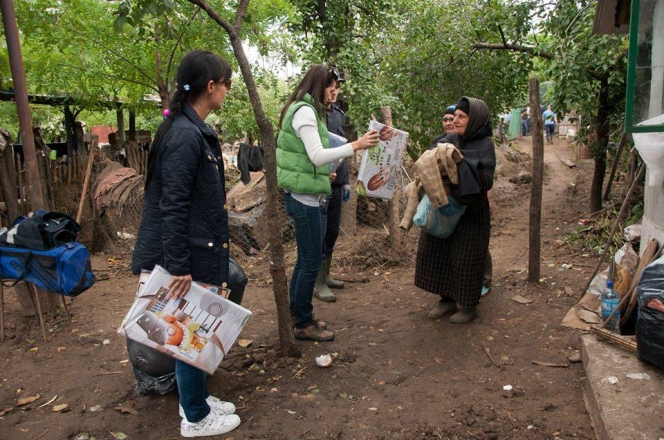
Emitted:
pixel 550 129
pixel 309 238
pixel 193 391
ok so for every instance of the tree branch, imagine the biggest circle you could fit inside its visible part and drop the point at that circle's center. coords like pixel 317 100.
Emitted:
pixel 108 75
pixel 502 34
pixel 513 48
pixel 169 65
pixel 215 16
pixel 116 53
pixel 239 15
pixel 527 49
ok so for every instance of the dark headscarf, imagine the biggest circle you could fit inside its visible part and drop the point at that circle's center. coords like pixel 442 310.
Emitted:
pixel 450 110
pixel 479 119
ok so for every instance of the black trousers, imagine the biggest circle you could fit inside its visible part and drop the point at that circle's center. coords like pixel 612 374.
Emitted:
pixel 331 216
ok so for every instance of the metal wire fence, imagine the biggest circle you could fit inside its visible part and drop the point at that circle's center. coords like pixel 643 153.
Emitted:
pixel 366 244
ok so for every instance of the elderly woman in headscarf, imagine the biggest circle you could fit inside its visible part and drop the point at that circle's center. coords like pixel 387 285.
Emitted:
pixel 453 267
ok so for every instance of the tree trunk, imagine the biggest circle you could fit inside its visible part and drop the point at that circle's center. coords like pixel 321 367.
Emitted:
pixel 599 149
pixel 22 106
pixel 280 284
pixel 538 178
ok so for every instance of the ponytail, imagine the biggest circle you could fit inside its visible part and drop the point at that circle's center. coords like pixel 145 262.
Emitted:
pixel 196 70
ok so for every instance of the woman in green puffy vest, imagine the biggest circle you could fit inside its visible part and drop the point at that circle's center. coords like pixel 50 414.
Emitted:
pixel 303 171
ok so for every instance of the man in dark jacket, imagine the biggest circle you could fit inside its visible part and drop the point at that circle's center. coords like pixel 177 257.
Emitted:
pixel 331 211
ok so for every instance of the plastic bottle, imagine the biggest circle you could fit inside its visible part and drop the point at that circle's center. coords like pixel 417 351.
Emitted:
pixel 610 300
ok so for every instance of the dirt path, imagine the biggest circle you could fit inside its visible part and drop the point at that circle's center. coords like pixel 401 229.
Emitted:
pixel 395 374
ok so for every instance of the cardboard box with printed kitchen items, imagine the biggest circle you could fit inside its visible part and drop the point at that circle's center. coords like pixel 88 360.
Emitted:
pixel 380 164
pixel 198 329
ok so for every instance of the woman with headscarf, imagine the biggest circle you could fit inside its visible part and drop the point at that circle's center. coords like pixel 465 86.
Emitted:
pixel 448 119
pixel 453 267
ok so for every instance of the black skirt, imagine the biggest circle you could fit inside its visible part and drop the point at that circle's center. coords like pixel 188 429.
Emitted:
pixel 453 267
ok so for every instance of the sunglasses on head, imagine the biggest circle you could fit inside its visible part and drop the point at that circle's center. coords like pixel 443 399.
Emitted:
pixel 338 76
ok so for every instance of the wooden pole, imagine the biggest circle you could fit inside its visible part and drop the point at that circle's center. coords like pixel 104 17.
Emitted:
pixel 2 311
pixel 86 182
pixel 21 188
pixel 394 204
pixel 121 129
pixel 651 254
pixel 8 183
pixel 132 126
pixel 32 181
pixel 616 160
pixel 538 178
pixel 622 341
pixel 623 209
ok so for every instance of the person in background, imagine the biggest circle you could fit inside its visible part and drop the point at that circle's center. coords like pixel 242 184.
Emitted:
pixel 448 119
pixel 331 210
pixel 550 122
pixel 303 172
pixel 525 122
pixel 453 267
pixel 184 224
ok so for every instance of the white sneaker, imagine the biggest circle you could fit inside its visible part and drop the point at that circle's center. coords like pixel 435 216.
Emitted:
pixel 216 405
pixel 213 424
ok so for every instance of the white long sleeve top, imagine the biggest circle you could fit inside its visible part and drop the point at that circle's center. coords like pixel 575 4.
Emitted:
pixel 305 126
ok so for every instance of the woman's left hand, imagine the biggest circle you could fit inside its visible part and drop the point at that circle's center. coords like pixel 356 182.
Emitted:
pixel 333 176
pixel 179 286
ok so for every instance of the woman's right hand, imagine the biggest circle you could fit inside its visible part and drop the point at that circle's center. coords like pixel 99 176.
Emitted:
pixel 179 286
pixel 369 139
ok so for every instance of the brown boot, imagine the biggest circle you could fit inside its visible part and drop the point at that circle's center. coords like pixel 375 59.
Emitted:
pixel 464 315
pixel 442 309
pixel 319 322
pixel 313 332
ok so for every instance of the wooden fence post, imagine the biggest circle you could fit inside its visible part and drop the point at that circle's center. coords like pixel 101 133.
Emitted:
pixel 394 204
pixel 538 177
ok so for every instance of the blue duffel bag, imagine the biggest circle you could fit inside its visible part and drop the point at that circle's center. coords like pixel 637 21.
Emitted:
pixel 64 269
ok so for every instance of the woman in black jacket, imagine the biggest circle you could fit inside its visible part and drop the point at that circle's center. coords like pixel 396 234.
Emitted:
pixel 454 267
pixel 184 225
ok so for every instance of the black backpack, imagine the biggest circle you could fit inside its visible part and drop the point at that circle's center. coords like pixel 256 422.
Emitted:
pixel 41 231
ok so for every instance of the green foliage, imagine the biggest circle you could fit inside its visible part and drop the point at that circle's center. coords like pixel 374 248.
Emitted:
pixel 636 213
pixel 263 28
pixel 348 34
pixel 417 56
pixel 593 237
pixel 128 51
pixel 581 62
pixel 430 62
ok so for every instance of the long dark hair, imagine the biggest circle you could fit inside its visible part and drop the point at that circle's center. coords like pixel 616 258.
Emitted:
pixel 196 70
pixel 314 83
